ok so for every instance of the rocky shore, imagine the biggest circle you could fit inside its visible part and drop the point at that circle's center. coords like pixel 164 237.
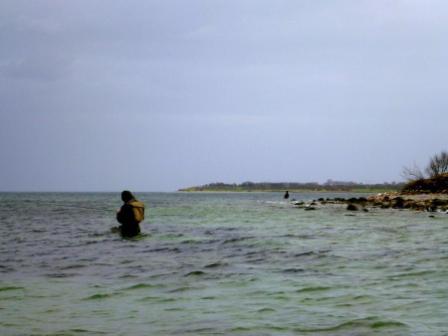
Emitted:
pixel 416 202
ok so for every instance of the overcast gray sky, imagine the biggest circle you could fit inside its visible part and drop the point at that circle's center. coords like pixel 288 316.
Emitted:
pixel 159 95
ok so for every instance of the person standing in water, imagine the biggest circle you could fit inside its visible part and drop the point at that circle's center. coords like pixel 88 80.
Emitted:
pixel 286 196
pixel 131 213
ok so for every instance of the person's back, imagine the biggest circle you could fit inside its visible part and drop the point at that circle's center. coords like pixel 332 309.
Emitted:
pixel 130 215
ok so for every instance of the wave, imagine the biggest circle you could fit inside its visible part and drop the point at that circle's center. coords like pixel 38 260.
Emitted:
pixel 313 289
pixel 141 286
pixel 73 331
pixel 364 323
pixel 216 264
pixel 86 331
pixel 100 296
pixel 235 239
pixel 181 289
pixel 10 288
pixel 195 273
pixel 293 270
pixel 411 274
pixel 156 299
pixel 266 310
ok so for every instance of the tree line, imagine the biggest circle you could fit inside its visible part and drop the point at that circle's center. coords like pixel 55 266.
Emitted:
pixel 291 186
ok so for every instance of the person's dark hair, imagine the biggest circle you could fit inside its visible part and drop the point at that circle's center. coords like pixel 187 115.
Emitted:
pixel 126 196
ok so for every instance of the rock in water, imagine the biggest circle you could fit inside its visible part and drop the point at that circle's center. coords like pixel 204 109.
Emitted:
pixel 352 207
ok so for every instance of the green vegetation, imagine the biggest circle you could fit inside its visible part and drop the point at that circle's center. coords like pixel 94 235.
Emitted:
pixel 436 180
pixel 329 186
pixel 436 184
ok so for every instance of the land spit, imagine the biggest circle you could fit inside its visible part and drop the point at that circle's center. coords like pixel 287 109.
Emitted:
pixel 417 202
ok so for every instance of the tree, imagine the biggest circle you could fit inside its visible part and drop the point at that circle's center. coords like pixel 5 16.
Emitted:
pixel 438 164
pixel 412 173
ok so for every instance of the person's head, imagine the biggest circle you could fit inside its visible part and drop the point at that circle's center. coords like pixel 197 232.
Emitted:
pixel 126 196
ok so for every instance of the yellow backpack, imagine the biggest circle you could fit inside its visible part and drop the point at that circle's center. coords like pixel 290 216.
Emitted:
pixel 139 210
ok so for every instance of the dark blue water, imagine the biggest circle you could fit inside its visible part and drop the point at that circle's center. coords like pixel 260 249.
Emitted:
pixel 219 264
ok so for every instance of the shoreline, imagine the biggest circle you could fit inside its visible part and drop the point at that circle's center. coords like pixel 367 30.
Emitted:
pixel 437 202
pixel 372 191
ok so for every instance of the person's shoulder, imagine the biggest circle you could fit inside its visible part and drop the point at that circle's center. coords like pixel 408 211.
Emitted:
pixel 136 204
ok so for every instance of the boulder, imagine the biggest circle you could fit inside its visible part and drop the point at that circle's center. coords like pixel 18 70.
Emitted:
pixel 398 203
pixel 352 207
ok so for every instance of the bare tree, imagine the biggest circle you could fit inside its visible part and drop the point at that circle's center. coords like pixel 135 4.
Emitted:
pixel 438 164
pixel 412 173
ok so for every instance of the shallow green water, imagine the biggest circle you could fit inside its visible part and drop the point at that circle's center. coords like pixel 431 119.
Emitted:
pixel 219 264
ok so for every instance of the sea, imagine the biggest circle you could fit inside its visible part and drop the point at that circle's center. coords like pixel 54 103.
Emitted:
pixel 219 264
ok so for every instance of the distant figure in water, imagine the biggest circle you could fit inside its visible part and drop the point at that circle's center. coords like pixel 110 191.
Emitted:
pixel 130 215
pixel 286 196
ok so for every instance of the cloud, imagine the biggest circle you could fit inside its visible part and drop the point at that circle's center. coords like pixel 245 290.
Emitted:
pixel 238 83
pixel 39 68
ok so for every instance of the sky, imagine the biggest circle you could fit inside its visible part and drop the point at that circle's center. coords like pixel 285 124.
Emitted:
pixel 163 94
